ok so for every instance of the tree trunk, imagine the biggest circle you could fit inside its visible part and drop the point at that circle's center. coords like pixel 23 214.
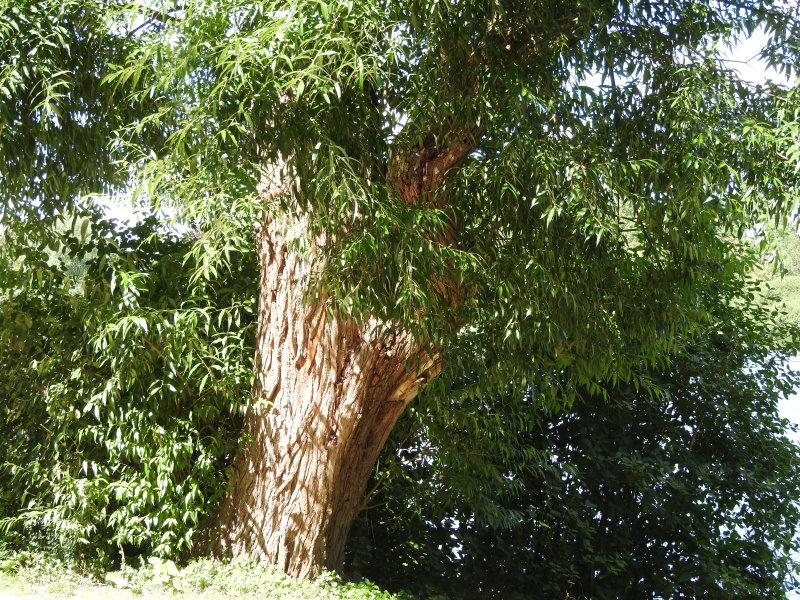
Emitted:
pixel 328 393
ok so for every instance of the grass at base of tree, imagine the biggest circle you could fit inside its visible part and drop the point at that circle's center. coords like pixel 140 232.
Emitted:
pixel 34 575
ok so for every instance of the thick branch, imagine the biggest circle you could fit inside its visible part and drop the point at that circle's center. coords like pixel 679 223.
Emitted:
pixel 416 175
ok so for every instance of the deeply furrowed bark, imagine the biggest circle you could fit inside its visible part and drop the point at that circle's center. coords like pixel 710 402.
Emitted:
pixel 327 395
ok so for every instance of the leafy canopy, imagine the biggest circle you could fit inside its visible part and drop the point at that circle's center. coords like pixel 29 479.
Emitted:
pixel 567 223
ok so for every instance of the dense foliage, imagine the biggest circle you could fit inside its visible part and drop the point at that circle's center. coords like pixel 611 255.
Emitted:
pixel 605 423
pixel 682 487
pixel 57 119
pixel 691 492
pixel 641 182
pixel 122 381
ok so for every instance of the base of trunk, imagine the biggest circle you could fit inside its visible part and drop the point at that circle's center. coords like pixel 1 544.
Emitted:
pixel 327 395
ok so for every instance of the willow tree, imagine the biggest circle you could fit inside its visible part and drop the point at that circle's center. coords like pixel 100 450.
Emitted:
pixel 490 191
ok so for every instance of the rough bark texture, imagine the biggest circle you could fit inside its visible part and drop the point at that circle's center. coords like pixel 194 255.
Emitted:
pixel 327 395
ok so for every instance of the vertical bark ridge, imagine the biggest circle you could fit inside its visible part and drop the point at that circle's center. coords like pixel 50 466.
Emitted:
pixel 327 394
pixel 328 391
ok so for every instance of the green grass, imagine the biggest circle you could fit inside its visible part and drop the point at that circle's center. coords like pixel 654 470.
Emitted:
pixel 787 288
pixel 786 285
pixel 34 575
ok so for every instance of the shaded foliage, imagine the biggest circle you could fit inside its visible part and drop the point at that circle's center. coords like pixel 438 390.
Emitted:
pixel 686 492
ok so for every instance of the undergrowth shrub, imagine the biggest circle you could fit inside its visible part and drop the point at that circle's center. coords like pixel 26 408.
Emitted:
pixel 123 378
